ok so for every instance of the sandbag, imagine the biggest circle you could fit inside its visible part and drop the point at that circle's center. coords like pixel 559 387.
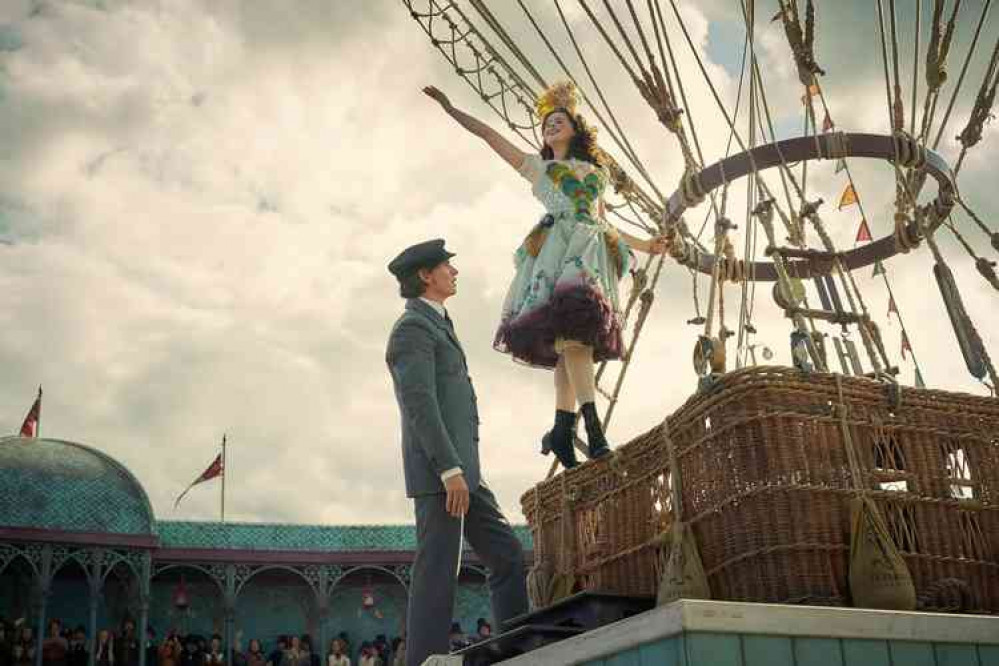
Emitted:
pixel 879 577
pixel 683 576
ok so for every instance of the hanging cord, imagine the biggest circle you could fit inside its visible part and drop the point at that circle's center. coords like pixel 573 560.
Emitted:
pixel 613 127
pixel 801 39
pixel 504 36
pixel 972 333
pixel 982 111
pixel 936 60
pixel 985 267
pixel 994 235
pixel 919 178
pixel 915 70
pixel 964 67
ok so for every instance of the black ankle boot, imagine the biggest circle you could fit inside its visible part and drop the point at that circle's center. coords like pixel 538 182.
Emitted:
pixel 597 442
pixel 560 439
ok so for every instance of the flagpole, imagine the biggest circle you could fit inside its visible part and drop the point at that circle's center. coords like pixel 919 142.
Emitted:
pixel 223 477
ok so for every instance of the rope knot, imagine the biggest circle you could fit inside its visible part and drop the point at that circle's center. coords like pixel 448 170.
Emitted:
pixel 908 152
pixel 691 190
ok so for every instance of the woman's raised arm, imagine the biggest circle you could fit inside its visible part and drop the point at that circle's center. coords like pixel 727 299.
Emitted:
pixel 509 152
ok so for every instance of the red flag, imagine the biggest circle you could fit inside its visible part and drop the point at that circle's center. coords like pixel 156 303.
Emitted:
pixel 30 426
pixel 214 470
pixel 827 123
pixel 905 344
pixel 864 232
pixel 891 305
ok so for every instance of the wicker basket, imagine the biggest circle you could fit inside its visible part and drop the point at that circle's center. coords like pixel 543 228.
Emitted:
pixel 766 484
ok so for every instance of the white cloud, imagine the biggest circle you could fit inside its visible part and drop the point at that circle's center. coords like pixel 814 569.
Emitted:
pixel 205 200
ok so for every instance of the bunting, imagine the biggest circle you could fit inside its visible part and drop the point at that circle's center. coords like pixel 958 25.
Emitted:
pixel 906 347
pixel 879 268
pixel 892 308
pixel 863 232
pixel 840 164
pixel 919 379
pixel 848 198
pixel 827 123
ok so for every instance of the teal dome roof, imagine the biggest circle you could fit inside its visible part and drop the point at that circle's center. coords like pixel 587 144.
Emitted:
pixel 58 485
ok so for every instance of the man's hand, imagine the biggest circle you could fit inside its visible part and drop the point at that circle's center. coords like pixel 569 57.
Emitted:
pixel 457 495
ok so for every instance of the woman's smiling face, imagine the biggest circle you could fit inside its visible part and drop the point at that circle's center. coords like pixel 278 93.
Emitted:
pixel 557 129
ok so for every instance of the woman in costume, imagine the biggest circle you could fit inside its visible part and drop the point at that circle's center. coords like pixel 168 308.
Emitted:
pixel 562 310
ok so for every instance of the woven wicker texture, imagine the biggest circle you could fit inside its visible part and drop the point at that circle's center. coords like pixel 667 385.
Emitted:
pixel 766 484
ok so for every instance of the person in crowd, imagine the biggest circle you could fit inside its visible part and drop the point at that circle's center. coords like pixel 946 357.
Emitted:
pixel 191 655
pixel 215 656
pixel 483 630
pixel 104 651
pixel 169 653
pixel 6 645
pixel 127 645
pixel 54 647
pixel 368 656
pixel 399 651
pixel 457 637
pixel 338 654
pixel 23 653
pixel 78 654
pixel 254 655
pixel 309 657
pixel 151 647
pixel 277 654
pixel 293 653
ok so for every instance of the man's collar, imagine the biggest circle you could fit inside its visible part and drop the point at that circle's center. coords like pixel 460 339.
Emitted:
pixel 438 307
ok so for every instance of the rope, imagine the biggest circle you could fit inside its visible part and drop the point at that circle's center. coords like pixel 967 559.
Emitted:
pixel 915 71
pixel 982 111
pixel 494 23
pixel 973 335
pixel 619 137
pixel 964 67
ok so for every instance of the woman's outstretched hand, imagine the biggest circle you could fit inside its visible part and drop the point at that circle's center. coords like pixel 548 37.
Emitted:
pixel 438 96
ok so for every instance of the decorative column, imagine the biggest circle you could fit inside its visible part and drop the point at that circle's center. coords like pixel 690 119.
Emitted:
pixel 44 589
pixel 229 609
pixel 95 583
pixel 145 577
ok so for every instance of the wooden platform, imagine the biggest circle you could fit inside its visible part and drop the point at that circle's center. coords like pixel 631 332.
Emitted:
pixel 720 633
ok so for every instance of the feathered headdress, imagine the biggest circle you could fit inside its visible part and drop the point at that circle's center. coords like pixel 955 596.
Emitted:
pixel 561 95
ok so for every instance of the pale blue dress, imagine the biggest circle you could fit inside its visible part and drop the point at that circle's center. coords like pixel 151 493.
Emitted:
pixel 567 270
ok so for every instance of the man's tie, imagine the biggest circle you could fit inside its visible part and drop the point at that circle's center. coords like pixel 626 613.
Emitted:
pixel 447 319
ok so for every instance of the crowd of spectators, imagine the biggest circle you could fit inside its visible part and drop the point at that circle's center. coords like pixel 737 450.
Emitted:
pixel 64 646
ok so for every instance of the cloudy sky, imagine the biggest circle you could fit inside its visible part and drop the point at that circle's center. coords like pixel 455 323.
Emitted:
pixel 198 200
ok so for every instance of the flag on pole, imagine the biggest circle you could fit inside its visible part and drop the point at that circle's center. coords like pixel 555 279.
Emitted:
pixel 879 268
pixel 905 344
pixel 863 232
pixel 827 123
pixel 840 164
pixel 848 198
pixel 892 308
pixel 214 470
pixel 30 426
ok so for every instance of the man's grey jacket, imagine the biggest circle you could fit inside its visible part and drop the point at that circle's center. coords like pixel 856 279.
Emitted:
pixel 440 416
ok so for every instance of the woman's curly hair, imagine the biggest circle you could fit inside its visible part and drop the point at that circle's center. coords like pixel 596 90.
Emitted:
pixel 582 145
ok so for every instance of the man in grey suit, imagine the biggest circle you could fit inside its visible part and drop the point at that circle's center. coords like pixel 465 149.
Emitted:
pixel 440 452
